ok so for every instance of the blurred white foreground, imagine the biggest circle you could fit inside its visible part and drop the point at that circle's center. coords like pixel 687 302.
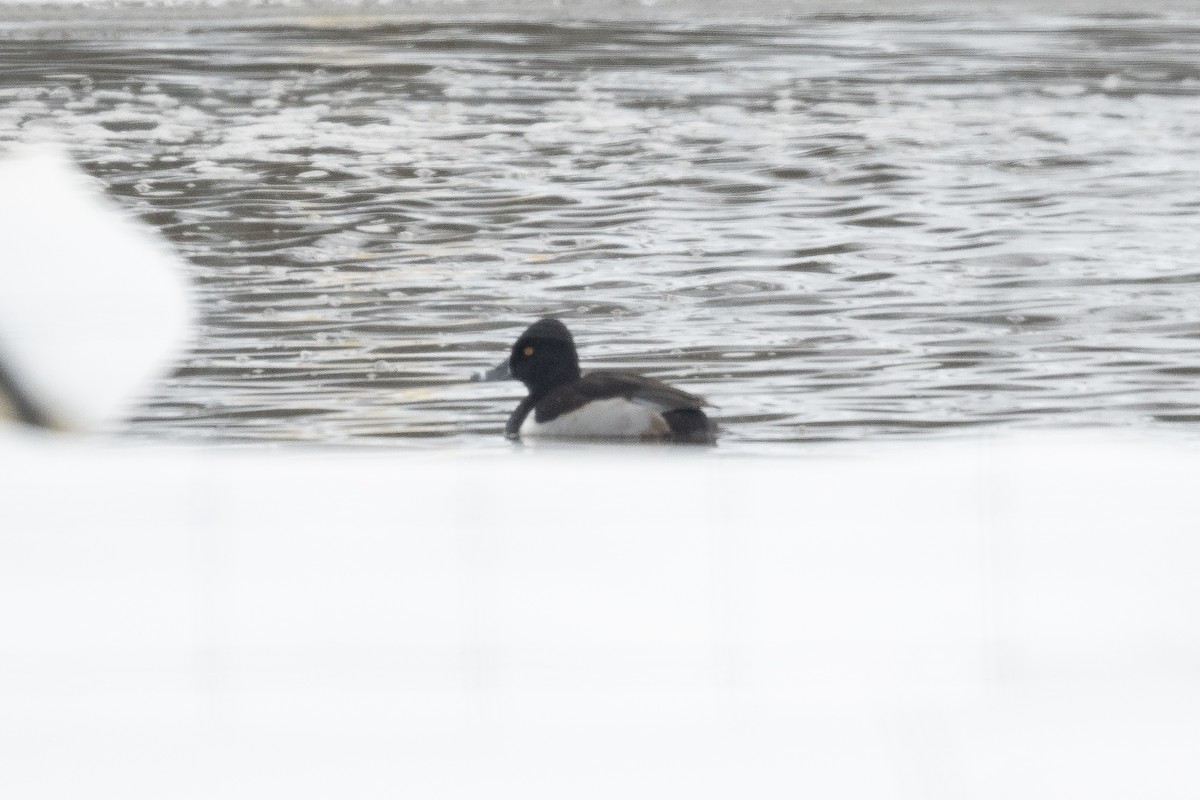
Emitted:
pixel 965 620
pixel 93 306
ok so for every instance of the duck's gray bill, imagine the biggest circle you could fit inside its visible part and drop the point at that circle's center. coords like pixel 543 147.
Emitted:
pixel 500 372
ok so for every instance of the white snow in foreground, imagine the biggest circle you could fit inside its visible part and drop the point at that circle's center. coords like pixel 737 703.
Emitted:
pixel 1011 619
pixel 92 306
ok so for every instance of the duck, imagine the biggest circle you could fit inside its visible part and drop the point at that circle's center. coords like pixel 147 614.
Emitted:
pixel 566 403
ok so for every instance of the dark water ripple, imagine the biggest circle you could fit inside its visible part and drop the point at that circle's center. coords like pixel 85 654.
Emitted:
pixel 835 227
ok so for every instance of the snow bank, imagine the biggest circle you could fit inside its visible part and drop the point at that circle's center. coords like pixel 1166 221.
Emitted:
pixel 977 619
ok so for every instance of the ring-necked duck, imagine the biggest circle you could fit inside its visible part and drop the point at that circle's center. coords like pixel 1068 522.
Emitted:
pixel 564 403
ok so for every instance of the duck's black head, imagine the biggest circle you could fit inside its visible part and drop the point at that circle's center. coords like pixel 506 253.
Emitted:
pixel 544 357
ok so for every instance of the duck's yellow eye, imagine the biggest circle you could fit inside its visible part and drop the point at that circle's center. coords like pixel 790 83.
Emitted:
pixel 528 351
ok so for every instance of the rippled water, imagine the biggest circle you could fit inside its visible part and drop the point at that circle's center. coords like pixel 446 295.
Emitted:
pixel 834 227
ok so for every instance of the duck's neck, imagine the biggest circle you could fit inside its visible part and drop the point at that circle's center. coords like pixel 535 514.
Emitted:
pixel 548 380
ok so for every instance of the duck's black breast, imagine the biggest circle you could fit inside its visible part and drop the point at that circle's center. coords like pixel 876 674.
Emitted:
pixel 512 428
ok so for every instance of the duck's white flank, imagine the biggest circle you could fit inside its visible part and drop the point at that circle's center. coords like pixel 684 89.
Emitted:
pixel 615 418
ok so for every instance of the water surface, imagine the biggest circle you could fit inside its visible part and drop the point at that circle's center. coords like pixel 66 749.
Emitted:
pixel 835 227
